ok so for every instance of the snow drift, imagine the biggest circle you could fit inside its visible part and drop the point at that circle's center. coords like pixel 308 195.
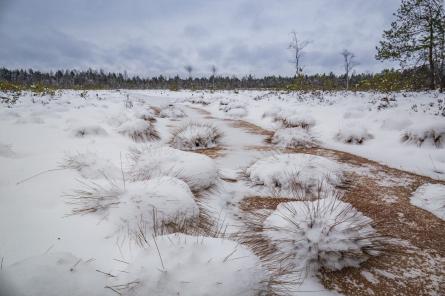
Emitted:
pixel 179 264
pixel 53 274
pixel 430 197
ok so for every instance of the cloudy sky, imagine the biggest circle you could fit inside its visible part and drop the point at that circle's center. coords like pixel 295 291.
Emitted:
pixel 160 37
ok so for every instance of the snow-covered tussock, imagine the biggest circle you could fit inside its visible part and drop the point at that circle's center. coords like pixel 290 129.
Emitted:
pixel 141 205
pixel 325 233
pixel 91 166
pixel 53 274
pixel 179 264
pixel 233 108
pixel 295 119
pixel 196 135
pixel 431 133
pixel 293 137
pixel 197 170
pixel 139 130
pixel 353 134
pixel 90 130
pixel 200 100
pixel 295 174
pixel 145 113
pixel 172 111
pixel 148 205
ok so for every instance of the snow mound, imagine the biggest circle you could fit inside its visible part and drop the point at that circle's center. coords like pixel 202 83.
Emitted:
pixel 197 170
pixel 428 134
pixel 91 166
pixel 293 137
pixel 325 233
pixel 295 173
pixel 430 197
pixel 154 203
pixel 172 111
pixel 195 266
pixel 353 134
pixel 139 130
pixel 90 130
pixel 195 135
pixel 54 274
pixel 288 119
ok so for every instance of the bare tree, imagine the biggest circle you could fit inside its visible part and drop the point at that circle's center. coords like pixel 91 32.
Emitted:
pixel 189 70
pixel 297 46
pixel 349 64
pixel 213 69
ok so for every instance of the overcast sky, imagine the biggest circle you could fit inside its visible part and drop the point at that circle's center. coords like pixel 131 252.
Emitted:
pixel 161 37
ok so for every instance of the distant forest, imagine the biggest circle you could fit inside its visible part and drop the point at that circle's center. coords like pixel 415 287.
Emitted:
pixel 387 80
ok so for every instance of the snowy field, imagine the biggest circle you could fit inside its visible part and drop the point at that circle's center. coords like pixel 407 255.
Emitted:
pixel 222 193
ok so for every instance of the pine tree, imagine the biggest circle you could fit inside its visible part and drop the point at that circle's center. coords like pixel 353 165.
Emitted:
pixel 414 37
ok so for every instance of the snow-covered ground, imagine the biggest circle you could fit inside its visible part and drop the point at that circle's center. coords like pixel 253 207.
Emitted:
pixel 78 172
pixel 339 119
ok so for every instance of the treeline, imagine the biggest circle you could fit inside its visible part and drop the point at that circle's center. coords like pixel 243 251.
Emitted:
pixel 387 80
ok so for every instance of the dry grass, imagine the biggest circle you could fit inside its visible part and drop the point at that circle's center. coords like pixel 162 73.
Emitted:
pixel 214 152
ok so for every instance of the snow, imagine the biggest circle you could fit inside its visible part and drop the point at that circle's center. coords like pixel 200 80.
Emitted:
pixel 195 136
pixel 385 116
pixel 196 266
pixel 325 233
pixel 91 166
pixel 430 197
pixel 6 151
pixel 86 131
pixel 197 170
pixel 54 274
pixel 290 173
pixel 293 137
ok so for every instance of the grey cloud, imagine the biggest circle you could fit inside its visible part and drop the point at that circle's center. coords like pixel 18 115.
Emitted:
pixel 160 37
